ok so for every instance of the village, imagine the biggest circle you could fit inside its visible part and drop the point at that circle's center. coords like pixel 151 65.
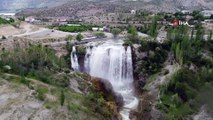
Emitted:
pixel 108 25
pixel 136 18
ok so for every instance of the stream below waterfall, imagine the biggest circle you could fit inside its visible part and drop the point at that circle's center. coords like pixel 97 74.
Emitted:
pixel 111 61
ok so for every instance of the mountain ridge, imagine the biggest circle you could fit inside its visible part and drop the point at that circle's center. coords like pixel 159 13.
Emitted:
pixel 150 5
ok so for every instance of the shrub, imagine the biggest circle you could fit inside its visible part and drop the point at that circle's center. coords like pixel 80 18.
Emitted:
pixel 155 58
pixel 79 37
pixel 81 50
pixel 69 38
pixel 127 43
pixel 116 31
pixel 100 35
pixel 41 91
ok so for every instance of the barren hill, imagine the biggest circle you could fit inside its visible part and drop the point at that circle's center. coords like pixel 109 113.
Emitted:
pixel 89 8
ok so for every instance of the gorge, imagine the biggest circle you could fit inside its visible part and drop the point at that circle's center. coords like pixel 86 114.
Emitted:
pixel 113 62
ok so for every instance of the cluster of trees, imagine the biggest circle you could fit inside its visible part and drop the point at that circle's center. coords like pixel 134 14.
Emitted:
pixel 37 61
pixel 132 36
pixel 185 46
pixel 180 16
pixel 181 46
pixel 153 30
pixel 4 21
pixel 144 29
pixel 198 16
pixel 182 96
pixel 156 55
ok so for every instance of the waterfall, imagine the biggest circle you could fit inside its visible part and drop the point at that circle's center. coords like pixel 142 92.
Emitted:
pixel 113 62
pixel 74 59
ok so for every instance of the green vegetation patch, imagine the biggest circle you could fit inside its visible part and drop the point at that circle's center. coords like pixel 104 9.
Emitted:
pixel 157 54
pixel 4 21
pixel 81 50
pixel 181 97
pixel 81 28
pixel 37 62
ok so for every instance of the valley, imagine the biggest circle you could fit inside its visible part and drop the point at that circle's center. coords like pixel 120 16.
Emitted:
pixel 106 60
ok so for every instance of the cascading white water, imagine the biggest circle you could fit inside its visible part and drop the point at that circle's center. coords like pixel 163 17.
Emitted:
pixel 113 62
pixel 74 59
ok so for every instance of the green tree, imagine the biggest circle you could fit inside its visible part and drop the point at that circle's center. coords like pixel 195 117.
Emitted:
pixel 181 45
pixel 153 28
pixel 132 30
pixel 132 35
pixel 197 15
pixel 79 37
pixel 116 32
pixel 179 16
pixel 62 98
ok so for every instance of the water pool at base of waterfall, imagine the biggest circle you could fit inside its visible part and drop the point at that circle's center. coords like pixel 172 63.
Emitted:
pixel 111 61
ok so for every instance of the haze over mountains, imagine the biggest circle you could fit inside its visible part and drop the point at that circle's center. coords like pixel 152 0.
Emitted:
pixel 152 5
pixel 22 4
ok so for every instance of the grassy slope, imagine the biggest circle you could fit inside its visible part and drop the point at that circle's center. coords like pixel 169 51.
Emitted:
pixel 37 68
pixel 50 96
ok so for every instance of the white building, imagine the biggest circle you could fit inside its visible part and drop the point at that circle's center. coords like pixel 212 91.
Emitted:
pixel 75 25
pixel 30 19
pixel 185 12
pixel 133 12
pixel 97 29
pixel 101 29
pixel 207 13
